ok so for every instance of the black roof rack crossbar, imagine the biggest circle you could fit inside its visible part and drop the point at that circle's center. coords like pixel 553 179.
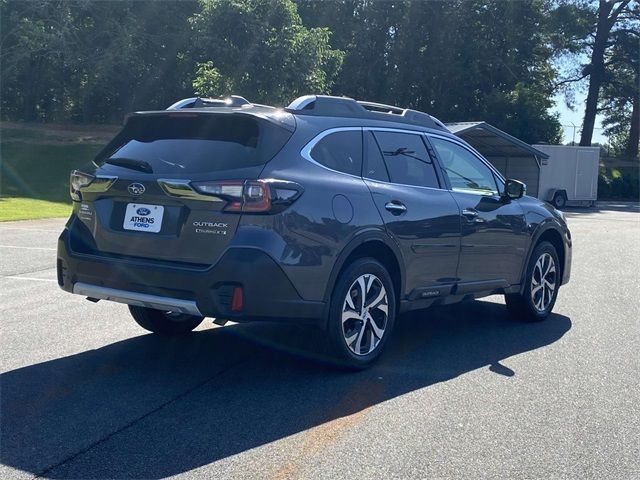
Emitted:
pixel 325 105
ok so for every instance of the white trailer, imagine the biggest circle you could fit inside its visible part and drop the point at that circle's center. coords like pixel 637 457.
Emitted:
pixel 569 176
pixel 558 174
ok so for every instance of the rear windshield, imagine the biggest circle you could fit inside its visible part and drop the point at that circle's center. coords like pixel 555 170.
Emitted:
pixel 191 143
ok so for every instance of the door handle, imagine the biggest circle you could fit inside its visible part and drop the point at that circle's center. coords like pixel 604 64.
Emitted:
pixel 395 207
pixel 471 214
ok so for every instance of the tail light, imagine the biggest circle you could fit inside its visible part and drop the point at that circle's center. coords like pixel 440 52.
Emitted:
pixel 252 196
pixel 79 180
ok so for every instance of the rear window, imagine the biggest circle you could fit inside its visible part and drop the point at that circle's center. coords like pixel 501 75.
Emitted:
pixel 196 143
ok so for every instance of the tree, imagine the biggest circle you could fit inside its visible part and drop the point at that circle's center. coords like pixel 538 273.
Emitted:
pixel 458 60
pixel 260 49
pixel 620 98
pixel 87 61
pixel 608 15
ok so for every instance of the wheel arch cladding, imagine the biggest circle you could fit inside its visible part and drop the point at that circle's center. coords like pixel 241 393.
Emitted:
pixel 378 250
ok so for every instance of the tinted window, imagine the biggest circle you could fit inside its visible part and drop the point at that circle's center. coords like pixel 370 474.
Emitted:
pixel 197 143
pixel 341 151
pixel 466 172
pixel 407 159
pixel 374 163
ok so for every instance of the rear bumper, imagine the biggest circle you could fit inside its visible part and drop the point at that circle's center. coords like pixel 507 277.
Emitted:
pixel 268 293
pixel 96 292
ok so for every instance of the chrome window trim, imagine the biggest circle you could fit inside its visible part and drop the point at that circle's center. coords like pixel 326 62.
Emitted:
pixel 405 185
pixel 477 193
pixel 306 152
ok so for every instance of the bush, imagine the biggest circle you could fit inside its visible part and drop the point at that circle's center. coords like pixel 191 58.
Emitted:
pixel 621 183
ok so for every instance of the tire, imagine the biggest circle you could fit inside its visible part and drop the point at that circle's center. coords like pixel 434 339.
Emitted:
pixel 536 302
pixel 164 323
pixel 358 341
pixel 559 200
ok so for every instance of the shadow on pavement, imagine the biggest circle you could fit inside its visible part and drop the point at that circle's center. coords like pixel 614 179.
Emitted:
pixel 153 407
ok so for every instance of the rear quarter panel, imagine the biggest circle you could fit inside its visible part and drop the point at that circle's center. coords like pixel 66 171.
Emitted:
pixel 307 238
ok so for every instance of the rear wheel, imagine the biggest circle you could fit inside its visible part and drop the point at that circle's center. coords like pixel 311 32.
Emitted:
pixel 541 286
pixel 362 313
pixel 164 323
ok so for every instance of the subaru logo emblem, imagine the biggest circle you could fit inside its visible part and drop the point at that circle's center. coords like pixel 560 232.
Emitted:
pixel 136 189
pixel 143 212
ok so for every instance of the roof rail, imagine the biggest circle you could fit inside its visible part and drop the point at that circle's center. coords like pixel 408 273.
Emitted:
pixel 198 102
pixel 325 105
pixel 381 107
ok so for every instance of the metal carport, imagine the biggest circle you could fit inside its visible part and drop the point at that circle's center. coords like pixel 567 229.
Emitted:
pixel 512 157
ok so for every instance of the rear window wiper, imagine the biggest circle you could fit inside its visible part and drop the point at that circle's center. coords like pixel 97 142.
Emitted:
pixel 131 163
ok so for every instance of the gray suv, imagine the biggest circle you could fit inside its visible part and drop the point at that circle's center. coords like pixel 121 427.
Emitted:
pixel 331 212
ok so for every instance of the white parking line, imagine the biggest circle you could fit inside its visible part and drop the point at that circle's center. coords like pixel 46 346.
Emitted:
pixel 2 227
pixel 15 277
pixel 28 248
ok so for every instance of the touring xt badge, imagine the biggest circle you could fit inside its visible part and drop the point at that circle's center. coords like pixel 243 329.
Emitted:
pixel 212 228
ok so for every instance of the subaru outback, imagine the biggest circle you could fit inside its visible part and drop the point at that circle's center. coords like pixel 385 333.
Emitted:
pixel 331 212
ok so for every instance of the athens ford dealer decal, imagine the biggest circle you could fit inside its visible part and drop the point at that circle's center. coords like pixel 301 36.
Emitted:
pixel 143 218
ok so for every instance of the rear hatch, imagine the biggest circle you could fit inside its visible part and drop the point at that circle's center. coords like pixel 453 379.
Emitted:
pixel 143 202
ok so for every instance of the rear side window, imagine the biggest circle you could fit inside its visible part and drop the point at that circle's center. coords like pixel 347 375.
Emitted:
pixel 407 159
pixel 341 151
pixel 192 143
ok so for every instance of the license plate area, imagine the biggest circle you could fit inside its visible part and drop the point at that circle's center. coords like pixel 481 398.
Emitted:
pixel 141 217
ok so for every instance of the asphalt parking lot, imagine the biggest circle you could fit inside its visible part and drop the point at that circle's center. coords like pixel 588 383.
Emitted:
pixel 462 392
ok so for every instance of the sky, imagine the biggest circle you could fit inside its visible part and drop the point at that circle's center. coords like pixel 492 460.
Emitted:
pixel 568 66
pixel 567 117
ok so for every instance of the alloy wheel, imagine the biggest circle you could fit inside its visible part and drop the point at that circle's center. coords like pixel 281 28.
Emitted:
pixel 365 313
pixel 543 282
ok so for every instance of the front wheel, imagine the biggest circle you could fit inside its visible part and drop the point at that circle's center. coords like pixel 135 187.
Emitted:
pixel 164 323
pixel 362 313
pixel 541 286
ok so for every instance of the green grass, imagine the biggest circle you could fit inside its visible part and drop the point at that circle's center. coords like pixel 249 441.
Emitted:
pixel 34 176
pixel 18 208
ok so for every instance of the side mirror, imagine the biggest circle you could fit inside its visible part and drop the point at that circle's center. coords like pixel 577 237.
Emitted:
pixel 514 189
